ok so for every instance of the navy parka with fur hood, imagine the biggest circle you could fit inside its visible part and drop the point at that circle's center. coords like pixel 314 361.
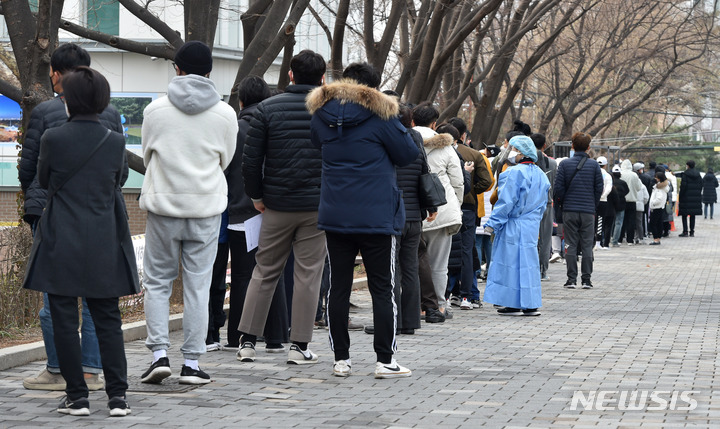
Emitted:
pixel 362 141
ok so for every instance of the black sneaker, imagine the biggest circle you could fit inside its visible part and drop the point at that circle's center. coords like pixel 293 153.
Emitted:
pixel 78 407
pixel 433 315
pixel 509 311
pixel 118 407
pixel 570 284
pixel 586 284
pixel 531 312
pixel 369 329
pixel 193 376
pixel 158 371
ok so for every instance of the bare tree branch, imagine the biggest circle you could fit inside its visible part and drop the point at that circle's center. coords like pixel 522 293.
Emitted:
pixel 321 23
pixel 143 13
pixel 10 91
pixel 160 50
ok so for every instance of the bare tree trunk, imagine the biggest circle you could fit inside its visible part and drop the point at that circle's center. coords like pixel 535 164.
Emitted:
pixel 253 19
pixel 416 94
pixel 336 64
pixel 201 17
pixel 33 40
pixel 269 41
pixel 284 79
pixel 378 55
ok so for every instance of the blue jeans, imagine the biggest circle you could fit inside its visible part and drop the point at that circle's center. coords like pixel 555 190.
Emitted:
pixel 712 209
pixel 619 218
pixel 483 244
pixel 91 361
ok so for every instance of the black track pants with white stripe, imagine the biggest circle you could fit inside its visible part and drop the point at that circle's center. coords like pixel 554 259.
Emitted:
pixel 378 254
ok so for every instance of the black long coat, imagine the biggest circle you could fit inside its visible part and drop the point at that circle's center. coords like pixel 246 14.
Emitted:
pixel 82 246
pixel 690 195
pixel 709 195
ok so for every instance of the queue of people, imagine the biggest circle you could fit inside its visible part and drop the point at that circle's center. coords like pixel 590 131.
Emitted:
pixel 333 170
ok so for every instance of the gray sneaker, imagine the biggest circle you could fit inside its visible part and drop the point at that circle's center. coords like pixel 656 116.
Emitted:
pixel 46 380
pixel 94 381
pixel 246 352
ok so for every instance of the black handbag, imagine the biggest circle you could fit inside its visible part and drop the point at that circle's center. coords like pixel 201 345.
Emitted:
pixel 431 191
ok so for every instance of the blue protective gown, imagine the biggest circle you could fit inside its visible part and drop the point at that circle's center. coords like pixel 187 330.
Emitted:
pixel 514 276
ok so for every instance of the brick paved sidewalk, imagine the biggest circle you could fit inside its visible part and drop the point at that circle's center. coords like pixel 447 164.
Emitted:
pixel 650 326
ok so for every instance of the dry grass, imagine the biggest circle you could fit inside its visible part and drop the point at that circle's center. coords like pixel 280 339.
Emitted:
pixel 19 308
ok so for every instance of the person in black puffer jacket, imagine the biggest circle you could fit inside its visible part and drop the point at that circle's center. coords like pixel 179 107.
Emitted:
pixel 407 283
pixel 690 198
pixel 282 172
pixel 709 195
pixel 46 115
pixel 252 90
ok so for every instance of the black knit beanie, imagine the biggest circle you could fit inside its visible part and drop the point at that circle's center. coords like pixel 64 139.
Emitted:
pixel 194 57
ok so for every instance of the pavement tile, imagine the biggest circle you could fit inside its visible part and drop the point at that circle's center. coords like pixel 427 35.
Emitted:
pixel 652 324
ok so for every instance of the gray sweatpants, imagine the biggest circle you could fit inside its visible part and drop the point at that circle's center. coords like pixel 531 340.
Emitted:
pixel 439 244
pixel 168 240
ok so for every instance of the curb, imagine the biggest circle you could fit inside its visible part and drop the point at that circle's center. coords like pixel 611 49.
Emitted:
pixel 25 353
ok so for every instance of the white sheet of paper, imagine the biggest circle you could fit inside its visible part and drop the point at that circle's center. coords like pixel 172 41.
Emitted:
pixel 252 231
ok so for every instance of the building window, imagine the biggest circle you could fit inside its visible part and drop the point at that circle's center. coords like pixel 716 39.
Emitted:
pixel 104 16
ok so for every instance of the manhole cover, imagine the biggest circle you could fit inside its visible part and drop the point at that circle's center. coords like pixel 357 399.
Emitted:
pixel 169 385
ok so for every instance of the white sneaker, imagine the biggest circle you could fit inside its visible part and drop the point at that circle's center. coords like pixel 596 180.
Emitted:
pixel 554 257
pixel 342 368
pixel 454 300
pixel 465 304
pixel 213 347
pixel 391 370
pixel 300 357
pixel 246 352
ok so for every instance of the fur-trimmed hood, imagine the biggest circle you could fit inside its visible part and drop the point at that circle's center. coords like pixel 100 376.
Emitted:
pixel 663 184
pixel 348 91
pixel 439 140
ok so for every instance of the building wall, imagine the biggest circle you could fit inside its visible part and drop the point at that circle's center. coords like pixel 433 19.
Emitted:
pixel 8 207
pixel 136 216
pixel 9 210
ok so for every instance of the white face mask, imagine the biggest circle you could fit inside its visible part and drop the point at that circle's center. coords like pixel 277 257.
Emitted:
pixel 512 156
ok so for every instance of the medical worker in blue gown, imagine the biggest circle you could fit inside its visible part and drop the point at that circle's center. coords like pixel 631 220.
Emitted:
pixel 514 277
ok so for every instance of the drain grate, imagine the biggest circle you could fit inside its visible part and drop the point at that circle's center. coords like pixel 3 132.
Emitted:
pixel 169 385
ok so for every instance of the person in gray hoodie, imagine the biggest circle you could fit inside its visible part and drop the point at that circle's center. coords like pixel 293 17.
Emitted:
pixel 188 140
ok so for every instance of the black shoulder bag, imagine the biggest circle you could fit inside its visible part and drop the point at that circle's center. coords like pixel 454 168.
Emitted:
pixel 431 191
pixel 559 208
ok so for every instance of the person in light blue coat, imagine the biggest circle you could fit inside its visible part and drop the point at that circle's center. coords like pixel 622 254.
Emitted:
pixel 514 277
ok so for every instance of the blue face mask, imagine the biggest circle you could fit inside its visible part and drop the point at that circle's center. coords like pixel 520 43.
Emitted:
pixel 572 153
